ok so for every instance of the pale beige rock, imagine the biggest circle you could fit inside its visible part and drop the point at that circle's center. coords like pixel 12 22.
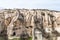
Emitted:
pixel 24 19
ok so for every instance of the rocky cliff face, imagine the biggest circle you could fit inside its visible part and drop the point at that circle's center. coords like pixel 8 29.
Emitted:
pixel 15 21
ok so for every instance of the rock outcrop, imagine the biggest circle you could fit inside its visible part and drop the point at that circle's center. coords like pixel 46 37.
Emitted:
pixel 15 21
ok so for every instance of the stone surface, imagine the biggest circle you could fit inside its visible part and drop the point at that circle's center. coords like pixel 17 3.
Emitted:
pixel 15 21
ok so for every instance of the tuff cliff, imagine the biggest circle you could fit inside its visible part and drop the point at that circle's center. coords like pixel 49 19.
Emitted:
pixel 15 21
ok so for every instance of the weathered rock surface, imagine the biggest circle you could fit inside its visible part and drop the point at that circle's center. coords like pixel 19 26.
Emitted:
pixel 17 20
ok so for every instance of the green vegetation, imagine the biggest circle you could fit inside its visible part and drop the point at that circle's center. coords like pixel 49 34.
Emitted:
pixel 15 39
pixel 30 38
pixel 1 38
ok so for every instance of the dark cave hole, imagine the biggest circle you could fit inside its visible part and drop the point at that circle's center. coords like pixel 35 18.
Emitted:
pixel 30 26
pixel 13 34
pixel 27 27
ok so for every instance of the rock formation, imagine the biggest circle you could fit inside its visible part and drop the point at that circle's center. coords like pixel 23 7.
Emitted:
pixel 15 21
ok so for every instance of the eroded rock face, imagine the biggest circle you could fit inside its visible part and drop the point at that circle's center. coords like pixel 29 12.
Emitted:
pixel 18 20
